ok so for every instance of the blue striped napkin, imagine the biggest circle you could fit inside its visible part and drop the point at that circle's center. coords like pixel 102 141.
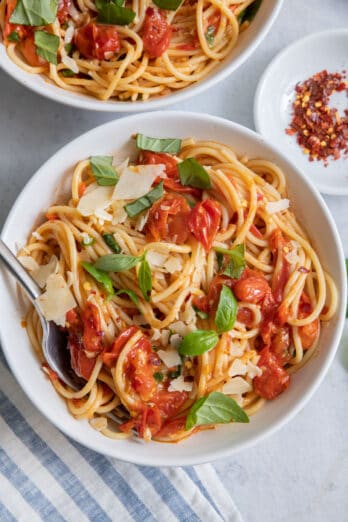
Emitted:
pixel 47 476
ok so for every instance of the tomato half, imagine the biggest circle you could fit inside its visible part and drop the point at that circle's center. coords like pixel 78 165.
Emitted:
pixel 204 222
pixel 210 301
pixel 156 32
pixel 147 157
pixel 80 363
pixel 168 219
pixel 92 337
pixel 94 40
pixel 274 379
pixel 21 30
pixel 110 356
pixel 142 363
pixel 252 287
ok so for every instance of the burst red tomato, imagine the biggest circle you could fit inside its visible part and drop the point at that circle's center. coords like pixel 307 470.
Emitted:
pixel 92 337
pixel 204 222
pixel 168 219
pixel 172 427
pixel 110 356
pixel 28 49
pixel 210 301
pixel 280 344
pixel 252 287
pixel 160 158
pixel 274 379
pixel 94 40
pixel 142 363
pixel 21 30
pixel 156 32
pixel 80 363
pixel 308 332
pixel 63 10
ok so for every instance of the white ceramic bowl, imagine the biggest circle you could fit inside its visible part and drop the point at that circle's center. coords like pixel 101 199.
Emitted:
pixel 275 95
pixel 42 190
pixel 246 45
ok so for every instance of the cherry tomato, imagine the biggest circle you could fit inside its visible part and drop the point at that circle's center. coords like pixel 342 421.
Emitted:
pixel 160 158
pixel 245 316
pixel 204 222
pixel 280 344
pixel 172 427
pixel 21 30
pixel 92 337
pixel 252 287
pixel 281 265
pixel 169 403
pixel 111 355
pixel 168 219
pixel 94 40
pixel 308 332
pixel 274 379
pixel 63 10
pixel 28 49
pixel 80 363
pixel 156 33
pixel 210 301
pixel 141 365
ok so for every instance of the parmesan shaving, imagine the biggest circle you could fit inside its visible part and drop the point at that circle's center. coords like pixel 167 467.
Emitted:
pixel 180 385
pixel 29 263
pixel 237 386
pixel 173 264
pixel 57 300
pixel 277 206
pixel 237 368
pixel 141 221
pixel 170 357
pixel 135 182
pixel 42 273
pixel 155 259
pixel 181 328
pixel 95 202
pixel 37 236
pixel 175 340
pixel 71 64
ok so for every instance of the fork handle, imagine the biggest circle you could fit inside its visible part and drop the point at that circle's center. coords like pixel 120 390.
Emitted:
pixel 19 272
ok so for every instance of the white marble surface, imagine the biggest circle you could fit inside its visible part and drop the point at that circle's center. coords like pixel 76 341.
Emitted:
pixel 300 473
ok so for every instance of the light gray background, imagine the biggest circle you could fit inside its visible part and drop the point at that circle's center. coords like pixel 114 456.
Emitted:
pixel 300 473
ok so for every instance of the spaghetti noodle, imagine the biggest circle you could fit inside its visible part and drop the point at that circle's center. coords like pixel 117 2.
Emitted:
pixel 85 49
pixel 190 288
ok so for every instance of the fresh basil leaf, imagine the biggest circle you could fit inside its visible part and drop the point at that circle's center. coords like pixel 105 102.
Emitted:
pixel 133 297
pixel 103 171
pixel 145 279
pixel 193 174
pixel 116 262
pixel 169 5
pixel 47 46
pixel 168 145
pixel 69 47
pixel 236 264
pixel 158 376
pixel 209 35
pixel 34 12
pixel 99 276
pixel 112 244
pixel 215 408
pixel 226 312
pixel 250 12
pixel 141 204
pixel 111 13
pixel 200 313
pixel 68 73
pixel 198 342
pixel 88 241
pixel 13 37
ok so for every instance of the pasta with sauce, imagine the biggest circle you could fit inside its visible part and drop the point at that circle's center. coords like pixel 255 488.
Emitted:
pixel 134 51
pixel 188 290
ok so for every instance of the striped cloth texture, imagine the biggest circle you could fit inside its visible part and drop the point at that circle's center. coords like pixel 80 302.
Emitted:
pixel 47 476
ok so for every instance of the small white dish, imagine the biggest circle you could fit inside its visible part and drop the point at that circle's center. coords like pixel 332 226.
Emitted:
pixel 246 45
pixel 275 94
pixel 51 181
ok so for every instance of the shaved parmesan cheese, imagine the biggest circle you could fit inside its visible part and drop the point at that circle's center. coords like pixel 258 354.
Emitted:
pixel 94 201
pixel 236 349
pixel 37 236
pixel 189 315
pixel 69 34
pixel 237 385
pixel 71 64
pixel 237 368
pixel 156 334
pixel 42 273
pixel 253 370
pixel 170 357
pixel 120 167
pixel 277 206
pixel 70 278
pixel 57 300
pixel 28 262
pixel 173 264
pixel 180 385
pixel 102 216
pixel 141 221
pixel 175 340
pixel 164 337
pixel 119 213
pixel 108 55
pixel 181 328
pixel 135 182
pixel 155 258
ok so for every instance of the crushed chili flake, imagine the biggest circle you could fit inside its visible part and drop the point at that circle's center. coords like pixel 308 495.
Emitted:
pixel 321 131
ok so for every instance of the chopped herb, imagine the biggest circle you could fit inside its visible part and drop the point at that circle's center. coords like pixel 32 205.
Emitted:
pixel 88 241
pixel 13 37
pixel 173 374
pixel 220 260
pixel 145 202
pixel 168 145
pixel 68 73
pixel 68 47
pixel 47 46
pixel 209 35
pixel 158 376
pixel 112 243
pixel 103 171
pixel 100 277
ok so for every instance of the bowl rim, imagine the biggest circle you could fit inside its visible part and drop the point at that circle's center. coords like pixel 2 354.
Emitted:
pixel 260 89
pixel 83 102
pixel 339 322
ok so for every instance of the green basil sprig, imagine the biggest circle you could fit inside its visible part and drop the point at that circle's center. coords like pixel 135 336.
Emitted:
pixel 168 145
pixel 113 13
pixel 145 202
pixel 117 262
pixel 112 243
pixel 14 37
pixel 132 295
pixel 215 408
pixel 34 12
pixel 47 45
pixel 145 279
pixel 100 277
pixel 249 12
pixel 236 264
pixel 209 35
pixel 226 312
pixel 103 171
pixel 193 174
pixel 169 5
pixel 198 342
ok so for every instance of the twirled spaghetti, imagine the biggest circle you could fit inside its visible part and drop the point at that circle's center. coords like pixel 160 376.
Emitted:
pixel 158 52
pixel 204 289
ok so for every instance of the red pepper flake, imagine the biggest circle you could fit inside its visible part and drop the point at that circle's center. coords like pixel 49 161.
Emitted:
pixel 321 132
